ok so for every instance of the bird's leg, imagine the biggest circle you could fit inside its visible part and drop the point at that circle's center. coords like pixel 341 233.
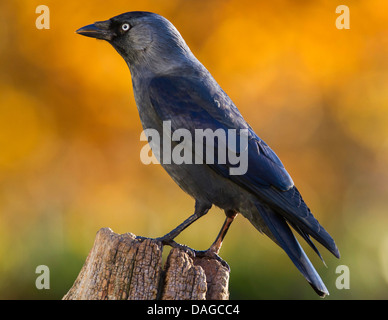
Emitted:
pixel 216 246
pixel 214 249
pixel 200 210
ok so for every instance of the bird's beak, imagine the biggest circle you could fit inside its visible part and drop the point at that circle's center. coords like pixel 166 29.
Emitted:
pixel 99 30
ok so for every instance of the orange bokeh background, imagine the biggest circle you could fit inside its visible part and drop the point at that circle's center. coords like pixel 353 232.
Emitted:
pixel 70 138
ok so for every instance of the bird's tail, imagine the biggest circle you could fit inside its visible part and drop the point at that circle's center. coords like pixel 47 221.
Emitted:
pixel 279 231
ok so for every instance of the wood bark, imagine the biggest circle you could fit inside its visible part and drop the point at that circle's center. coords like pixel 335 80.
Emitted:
pixel 122 267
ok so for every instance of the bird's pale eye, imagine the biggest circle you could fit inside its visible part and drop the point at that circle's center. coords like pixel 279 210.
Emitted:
pixel 125 27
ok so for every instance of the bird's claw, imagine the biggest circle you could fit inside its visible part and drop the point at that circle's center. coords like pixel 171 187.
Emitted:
pixel 172 243
pixel 210 254
pixel 141 239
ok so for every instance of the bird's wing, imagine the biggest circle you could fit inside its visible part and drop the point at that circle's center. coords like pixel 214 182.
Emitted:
pixel 191 105
pixel 195 103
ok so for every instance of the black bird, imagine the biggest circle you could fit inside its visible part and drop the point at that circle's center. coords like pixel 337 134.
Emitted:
pixel 171 85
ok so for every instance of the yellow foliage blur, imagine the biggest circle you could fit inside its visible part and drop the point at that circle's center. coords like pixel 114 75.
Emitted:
pixel 70 137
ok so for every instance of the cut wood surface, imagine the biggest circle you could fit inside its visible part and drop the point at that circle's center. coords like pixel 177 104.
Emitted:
pixel 122 267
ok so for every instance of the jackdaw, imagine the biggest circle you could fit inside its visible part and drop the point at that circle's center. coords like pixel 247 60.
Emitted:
pixel 170 84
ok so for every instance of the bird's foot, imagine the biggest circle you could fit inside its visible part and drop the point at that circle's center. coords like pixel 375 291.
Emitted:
pixel 141 239
pixel 211 254
pixel 172 243
pixel 167 241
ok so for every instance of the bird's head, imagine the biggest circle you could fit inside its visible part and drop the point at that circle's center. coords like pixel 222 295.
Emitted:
pixel 141 38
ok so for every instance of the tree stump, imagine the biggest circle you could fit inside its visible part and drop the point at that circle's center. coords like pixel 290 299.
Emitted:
pixel 122 267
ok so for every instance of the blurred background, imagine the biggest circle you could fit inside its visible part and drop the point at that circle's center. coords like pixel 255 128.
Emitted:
pixel 70 138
